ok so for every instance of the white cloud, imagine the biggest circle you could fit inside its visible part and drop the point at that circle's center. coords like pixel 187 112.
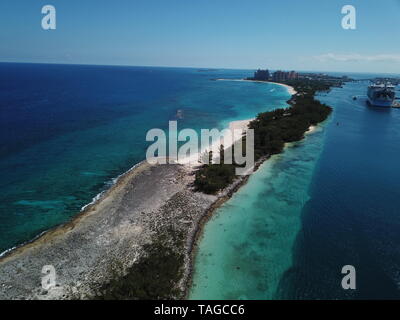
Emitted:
pixel 356 57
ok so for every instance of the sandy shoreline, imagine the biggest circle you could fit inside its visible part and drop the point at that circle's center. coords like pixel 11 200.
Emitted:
pixel 113 229
pixel 290 89
pixel 241 125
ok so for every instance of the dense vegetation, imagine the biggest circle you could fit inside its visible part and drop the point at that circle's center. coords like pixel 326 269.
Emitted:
pixel 271 131
pixel 154 277
pixel 310 87
pixel 211 178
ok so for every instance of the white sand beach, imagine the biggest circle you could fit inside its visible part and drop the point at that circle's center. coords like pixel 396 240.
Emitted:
pixel 290 89
pixel 311 129
pixel 194 159
pixel 226 140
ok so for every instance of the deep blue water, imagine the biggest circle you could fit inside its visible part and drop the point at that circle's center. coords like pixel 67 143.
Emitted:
pixel 353 216
pixel 67 130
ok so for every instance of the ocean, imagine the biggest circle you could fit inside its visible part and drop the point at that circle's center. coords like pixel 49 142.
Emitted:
pixel 328 201
pixel 67 131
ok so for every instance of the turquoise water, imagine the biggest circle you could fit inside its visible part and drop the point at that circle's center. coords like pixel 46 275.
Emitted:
pixel 333 200
pixel 246 246
pixel 66 131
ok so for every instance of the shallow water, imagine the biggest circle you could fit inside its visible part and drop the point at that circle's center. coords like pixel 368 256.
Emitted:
pixel 246 246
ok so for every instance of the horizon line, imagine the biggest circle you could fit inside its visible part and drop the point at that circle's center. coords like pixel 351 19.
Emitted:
pixel 191 67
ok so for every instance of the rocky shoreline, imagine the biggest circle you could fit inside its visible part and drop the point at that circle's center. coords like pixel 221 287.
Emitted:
pixel 109 235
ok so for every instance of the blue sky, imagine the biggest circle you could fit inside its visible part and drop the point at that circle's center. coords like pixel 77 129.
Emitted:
pixel 284 34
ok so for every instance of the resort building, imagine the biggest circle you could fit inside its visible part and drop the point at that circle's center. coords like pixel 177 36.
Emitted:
pixel 279 76
pixel 262 75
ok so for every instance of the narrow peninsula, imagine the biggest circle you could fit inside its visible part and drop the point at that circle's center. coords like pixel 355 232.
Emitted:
pixel 138 240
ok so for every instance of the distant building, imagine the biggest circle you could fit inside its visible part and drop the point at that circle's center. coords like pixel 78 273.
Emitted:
pixel 293 75
pixel 262 75
pixel 279 76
